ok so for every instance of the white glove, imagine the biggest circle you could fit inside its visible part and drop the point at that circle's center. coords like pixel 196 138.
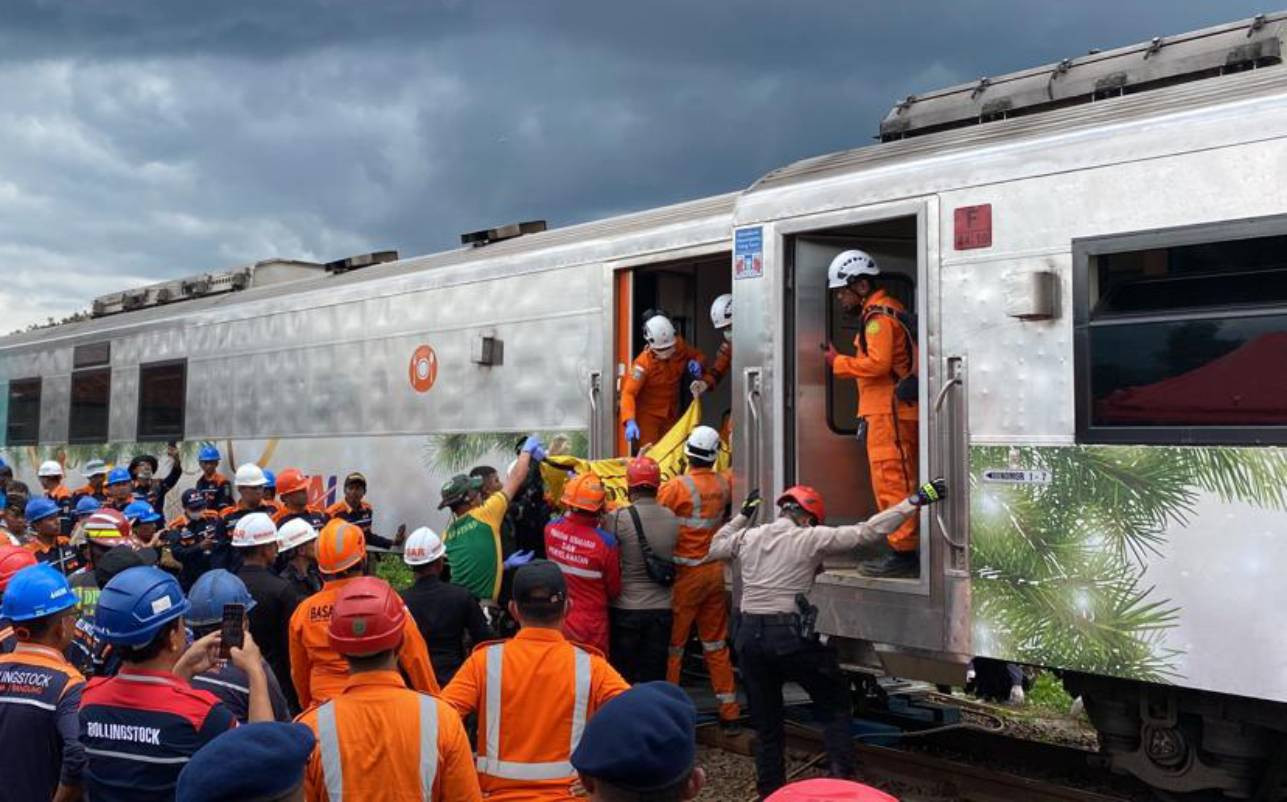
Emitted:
pixel 698 387
pixel 1017 696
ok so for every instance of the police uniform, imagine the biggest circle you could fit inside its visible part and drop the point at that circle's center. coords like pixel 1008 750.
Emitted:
pixel 40 693
pixel 140 728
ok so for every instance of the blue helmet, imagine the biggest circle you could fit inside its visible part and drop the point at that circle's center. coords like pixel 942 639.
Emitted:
pixel 40 508
pixel 211 592
pixel 208 454
pixel 35 592
pixel 270 479
pixel 86 505
pixel 118 476
pixel 136 603
pixel 140 512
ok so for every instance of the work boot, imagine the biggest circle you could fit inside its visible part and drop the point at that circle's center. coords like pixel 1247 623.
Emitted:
pixel 892 565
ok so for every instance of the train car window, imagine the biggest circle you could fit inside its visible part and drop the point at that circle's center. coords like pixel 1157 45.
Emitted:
pixel 91 395
pixel 23 425
pixel 162 400
pixel 1186 343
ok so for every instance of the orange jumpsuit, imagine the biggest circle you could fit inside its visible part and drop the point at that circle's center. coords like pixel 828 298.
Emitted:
pixel 893 431
pixel 369 741
pixel 723 361
pixel 699 498
pixel 533 695
pixel 650 391
pixel 319 672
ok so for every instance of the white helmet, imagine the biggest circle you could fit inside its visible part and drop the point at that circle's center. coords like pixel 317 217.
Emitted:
pixel 250 475
pixel 659 333
pixel 50 468
pixel 95 467
pixel 722 311
pixel 423 547
pixel 848 266
pixel 703 443
pixel 254 529
pixel 295 532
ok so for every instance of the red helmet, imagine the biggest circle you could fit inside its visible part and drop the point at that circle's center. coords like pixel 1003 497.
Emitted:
pixel 367 617
pixel 827 790
pixel 810 500
pixel 643 472
pixel 12 560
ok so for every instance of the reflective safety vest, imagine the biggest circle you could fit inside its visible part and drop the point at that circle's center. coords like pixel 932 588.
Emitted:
pixel 698 498
pixel 534 695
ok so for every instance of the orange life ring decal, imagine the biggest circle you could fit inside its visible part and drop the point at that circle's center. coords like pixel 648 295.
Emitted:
pixel 424 369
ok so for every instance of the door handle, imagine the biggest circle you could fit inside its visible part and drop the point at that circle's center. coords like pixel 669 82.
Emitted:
pixel 751 378
pixel 953 452
pixel 594 386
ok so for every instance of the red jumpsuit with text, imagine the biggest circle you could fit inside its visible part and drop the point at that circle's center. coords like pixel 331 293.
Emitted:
pixel 893 432
pixel 588 558
pixel 650 390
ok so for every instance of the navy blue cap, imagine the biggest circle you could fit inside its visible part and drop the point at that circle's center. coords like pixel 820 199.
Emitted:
pixel 253 761
pixel 643 740
pixel 194 499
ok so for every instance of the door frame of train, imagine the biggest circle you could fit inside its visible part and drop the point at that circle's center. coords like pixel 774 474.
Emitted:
pixel 897 608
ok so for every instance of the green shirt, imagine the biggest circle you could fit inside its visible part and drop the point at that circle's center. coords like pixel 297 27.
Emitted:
pixel 474 548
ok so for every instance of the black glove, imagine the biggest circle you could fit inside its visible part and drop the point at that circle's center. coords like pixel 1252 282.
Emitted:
pixel 929 493
pixel 752 503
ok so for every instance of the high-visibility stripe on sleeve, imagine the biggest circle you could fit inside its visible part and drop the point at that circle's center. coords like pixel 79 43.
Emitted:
pixel 494 662
pixel 582 572
pixel 581 697
pixel 328 744
pixel 428 745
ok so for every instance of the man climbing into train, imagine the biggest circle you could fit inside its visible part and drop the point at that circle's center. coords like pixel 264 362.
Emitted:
pixel 722 320
pixel 650 392
pixel 884 368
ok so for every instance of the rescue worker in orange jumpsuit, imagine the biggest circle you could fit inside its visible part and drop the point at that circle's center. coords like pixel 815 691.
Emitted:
pixel 316 669
pixel 533 694
pixel 650 392
pixel 376 738
pixel 885 356
pixel 699 498
pixel 722 320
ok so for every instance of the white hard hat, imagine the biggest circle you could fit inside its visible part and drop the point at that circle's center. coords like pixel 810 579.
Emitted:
pixel 250 475
pixel 848 266
pixel 95 467
pixel 659 333
pixel 295 532
pixel 50 468
pixel 722 311
pixel 703 443
pixel 423 546
pixel 254 529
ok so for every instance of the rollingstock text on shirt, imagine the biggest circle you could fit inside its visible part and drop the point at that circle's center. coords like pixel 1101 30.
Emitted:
pixel 124 732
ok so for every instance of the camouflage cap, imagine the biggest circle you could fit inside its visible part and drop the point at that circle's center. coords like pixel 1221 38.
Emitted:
pixel 457 489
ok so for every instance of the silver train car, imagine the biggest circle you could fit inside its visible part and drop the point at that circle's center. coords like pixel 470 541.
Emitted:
pixel 1096 251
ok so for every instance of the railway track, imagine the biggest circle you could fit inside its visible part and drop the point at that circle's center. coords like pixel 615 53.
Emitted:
pixel 964 764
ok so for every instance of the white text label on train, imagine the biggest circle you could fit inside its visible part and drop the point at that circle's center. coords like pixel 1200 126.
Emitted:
pixel 1005 476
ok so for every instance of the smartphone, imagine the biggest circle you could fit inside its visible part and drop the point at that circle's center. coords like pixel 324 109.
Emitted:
pixel 231 632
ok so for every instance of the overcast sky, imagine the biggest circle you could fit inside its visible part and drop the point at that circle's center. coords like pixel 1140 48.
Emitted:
pixel 141 141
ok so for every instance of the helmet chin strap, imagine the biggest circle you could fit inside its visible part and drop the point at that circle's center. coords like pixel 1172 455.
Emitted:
pixel 663 353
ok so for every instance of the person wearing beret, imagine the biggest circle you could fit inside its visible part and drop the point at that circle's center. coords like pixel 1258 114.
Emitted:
pixel 262 761
pixel 642 744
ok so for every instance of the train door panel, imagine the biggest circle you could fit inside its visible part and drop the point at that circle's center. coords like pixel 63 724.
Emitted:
pixel 684 291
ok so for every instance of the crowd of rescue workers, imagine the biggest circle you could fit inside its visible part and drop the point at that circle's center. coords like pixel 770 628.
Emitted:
pixel 553 627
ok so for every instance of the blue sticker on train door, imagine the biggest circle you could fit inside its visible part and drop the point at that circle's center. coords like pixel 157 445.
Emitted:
pixel 748 253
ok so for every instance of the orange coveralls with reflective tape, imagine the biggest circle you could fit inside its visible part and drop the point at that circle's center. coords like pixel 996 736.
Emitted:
pixel 892 442
pixel 370 738
pixel 533 695
pixel 699 498
pixel 650 390
pixel 716 372
pixel 319 672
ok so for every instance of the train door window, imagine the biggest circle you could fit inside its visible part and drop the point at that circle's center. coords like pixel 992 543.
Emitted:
pixel 162 400
pixel 684 291
pixel 91 393
pixel 822 422
pixel 23 425
pixel 1183 341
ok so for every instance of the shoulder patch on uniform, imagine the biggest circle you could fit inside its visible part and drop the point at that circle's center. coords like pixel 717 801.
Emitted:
pixel 873 327
pixel 638 372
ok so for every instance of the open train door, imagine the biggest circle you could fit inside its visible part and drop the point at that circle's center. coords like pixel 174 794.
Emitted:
pixel 926 615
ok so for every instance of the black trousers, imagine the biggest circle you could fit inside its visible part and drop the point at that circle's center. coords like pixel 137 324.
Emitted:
pixel 771 653
pixel 639 643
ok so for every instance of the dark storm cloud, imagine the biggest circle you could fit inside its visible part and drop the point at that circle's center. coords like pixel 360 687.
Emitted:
pixel 146 140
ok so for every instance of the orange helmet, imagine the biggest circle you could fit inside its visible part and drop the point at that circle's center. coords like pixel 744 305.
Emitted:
pixel 367 618
pixel 583 492
pixel 810 500
pixel 291 480
pixel 340 546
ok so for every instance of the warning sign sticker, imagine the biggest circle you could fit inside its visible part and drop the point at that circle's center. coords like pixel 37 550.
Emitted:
pixel 748 253
pixel 972 227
